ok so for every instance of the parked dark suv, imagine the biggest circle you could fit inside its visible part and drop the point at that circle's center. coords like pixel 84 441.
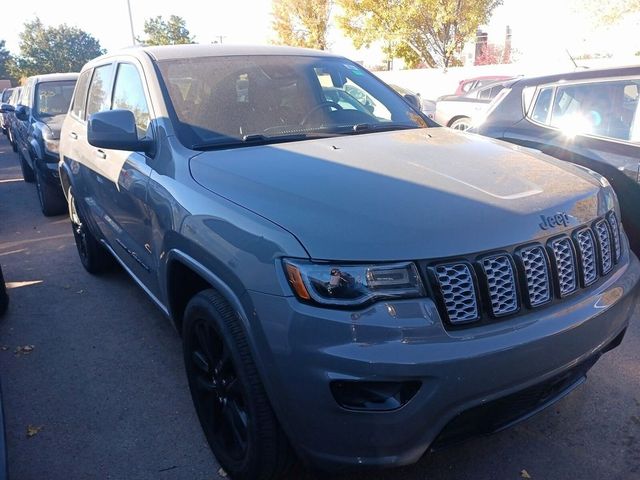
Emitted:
pixel 590 118
pixel 353 285
pixel 43 105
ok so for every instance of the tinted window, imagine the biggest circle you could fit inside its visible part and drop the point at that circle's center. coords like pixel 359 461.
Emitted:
pixel 80 99
pixel 128 94
pixel 605 109
pixel 543 105
pixel 219 100
pixel 53 98
pixel 6 95
pixel 485 94
pixel 99 92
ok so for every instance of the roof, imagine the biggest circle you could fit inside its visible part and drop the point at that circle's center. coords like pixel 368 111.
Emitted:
pixel 170 52
pixel 581 75
pixel 55 77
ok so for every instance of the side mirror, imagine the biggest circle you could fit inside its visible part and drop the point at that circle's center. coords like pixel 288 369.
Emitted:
pixel 116 130
pixel 22 113
pixel 413 100
pixel 6 108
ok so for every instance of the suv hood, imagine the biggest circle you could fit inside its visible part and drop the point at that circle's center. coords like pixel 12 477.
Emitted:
pixel 403 195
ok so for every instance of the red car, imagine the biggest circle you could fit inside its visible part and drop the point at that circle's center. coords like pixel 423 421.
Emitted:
pixel 465 86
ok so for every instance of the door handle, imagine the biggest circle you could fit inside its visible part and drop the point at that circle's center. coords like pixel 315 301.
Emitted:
pixel 100 154
pixel 73 135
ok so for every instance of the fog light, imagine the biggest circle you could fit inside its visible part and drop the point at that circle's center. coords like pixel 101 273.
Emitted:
pixel 373 396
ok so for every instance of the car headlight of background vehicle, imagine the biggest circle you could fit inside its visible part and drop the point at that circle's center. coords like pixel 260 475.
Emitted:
pixel 353 285
pixel 51 145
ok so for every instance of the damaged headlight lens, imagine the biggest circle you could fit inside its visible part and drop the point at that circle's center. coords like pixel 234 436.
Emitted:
pixel 353 285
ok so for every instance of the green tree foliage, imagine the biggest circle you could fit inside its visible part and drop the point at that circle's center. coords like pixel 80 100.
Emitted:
pixel 166 32
pixel 301 23
pixel 607 12
pixel 430 32
pixel 53 49
pixel 6 64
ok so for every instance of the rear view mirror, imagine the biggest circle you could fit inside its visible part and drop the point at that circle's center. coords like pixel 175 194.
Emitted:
pixel 6 108
pixel 116 130
pixel 412 100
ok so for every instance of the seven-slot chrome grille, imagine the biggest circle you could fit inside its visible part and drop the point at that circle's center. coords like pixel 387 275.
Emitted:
pixel 587 253
pixel 501 284
pixel 536 271
pixel 495 283
pixel 458 292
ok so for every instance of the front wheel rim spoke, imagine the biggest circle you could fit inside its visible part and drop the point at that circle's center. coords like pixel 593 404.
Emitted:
pixel 200 361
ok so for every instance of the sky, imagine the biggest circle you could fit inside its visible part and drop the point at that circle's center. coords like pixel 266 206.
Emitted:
pixel 539 26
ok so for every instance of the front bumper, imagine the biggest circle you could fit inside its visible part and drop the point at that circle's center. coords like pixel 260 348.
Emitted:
pixel 304 348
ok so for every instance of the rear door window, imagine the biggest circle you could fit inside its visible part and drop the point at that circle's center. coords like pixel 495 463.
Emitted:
pixel 542 107
pixel 606 109
pixel 99 98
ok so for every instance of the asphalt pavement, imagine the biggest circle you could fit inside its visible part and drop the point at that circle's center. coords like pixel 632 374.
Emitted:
pixel 94 385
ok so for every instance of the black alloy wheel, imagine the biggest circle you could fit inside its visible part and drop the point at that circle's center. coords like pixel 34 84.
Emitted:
pixel 232 406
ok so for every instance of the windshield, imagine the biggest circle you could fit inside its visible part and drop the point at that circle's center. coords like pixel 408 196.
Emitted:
pixel 53 98
pixel 6 95
pixel 239 99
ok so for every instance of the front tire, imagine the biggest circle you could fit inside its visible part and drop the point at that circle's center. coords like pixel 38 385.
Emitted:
pixel 51 200
pixel 234 411
pixel 95 259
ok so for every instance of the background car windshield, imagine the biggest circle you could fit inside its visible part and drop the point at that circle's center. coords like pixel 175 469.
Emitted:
pixel 218 99
pixel 53 98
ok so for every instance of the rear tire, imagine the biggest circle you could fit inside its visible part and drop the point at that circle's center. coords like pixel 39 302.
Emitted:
pixel 51 199
pixel 234 410
pixel 27 171
pixel 95 259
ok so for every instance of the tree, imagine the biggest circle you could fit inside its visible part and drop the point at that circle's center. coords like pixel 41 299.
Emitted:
pixel 609 12
pixel 433 31
pixel 6 63
pixel 53 49
pixel 302 23
pixel 171 32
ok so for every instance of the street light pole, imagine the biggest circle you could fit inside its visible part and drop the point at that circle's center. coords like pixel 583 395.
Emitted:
pixel 133 35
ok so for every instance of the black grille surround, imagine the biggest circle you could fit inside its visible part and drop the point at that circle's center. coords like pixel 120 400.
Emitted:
pixel 504 283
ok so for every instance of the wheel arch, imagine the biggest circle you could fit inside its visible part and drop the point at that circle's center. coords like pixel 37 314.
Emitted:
pixel 186 277
pixel 456 118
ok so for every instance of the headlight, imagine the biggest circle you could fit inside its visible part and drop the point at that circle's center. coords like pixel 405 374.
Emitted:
pixel 353 285
pixel 52 146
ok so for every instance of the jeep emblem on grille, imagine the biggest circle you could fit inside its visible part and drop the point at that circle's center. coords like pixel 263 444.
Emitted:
pixel 552 221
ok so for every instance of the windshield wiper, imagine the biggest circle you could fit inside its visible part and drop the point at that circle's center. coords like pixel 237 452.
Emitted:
pixel 381 127
pixel 250 140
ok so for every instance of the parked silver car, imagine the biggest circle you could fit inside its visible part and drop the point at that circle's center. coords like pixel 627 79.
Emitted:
pixel 353 286
pixel 461 111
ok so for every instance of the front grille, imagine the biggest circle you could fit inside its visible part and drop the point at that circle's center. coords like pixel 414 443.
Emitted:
pixel 615 231
pixel 565 265
pixel 458 292
pixel 536 271
pixel 580 259
pixel 587 251
pixel 501 284
pixel 604 242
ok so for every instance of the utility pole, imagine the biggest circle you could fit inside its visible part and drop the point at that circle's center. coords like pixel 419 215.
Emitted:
pixel 219 37
pixel 133 35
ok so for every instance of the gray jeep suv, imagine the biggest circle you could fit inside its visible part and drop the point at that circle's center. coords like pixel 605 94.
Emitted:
pixel 355 285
